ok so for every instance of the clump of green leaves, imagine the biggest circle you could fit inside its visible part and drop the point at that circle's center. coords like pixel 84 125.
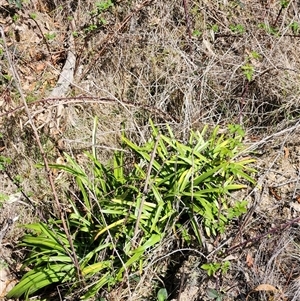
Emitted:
pixel 50 36
pixel 16 18
pixel 102 6
pixel 196 33
pixel 214 267
pixel 248 68
pixel 117 203
pixel 248 71
pixel 162 295
pixel 33 15
pixel 295 27
pixel 214 28
pixel 4 161
pixel 284 3
pixel 97 15
pixel 238 28
pixel 269 29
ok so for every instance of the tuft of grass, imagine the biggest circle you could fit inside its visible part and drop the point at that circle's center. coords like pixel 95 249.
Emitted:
pixel 123 213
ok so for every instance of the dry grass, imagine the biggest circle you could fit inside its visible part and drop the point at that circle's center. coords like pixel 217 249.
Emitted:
pixel 145 61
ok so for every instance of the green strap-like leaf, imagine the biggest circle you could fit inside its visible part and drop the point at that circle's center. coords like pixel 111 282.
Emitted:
pixel 36 279
pixel 92 291
pixel 207 174
pixel 95 268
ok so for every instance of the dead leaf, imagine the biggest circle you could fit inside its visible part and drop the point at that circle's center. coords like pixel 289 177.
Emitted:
pixel 249 260
pixel 40 67
pixel 155 21
pixel 265 287
pixel 286 153
pixel 295 206
pixel 208 46
pixel 230 257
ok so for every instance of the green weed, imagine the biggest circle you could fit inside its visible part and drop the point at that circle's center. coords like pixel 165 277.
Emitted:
pixel 238 28
pixel 97 15
pixel 50 36
pixel 33 16
pixel 4 161
pixel 214 267
pixel 284 3
pixel 248 69
pixel 123 212
pixel 162 295
pixel 269 29
pixel 295 27
pixel 196 33
pixel 214 28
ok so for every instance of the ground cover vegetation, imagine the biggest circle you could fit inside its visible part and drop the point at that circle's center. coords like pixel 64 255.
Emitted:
pixel 172 186
pixel 149 150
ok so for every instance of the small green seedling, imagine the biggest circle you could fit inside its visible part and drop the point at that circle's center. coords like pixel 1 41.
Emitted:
pixel 196 33
pixel 33 16
pixel 162 295
pixel 15 18
pixel 248 71
pixel 50 36
pixel 214 294
pixel 4 161
pixel 104 5
pixel 239 28
pixel 269 29
pixel 215 28
pixel 214 267
pixel 284 3
pixel 248 68
pixel 295 27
